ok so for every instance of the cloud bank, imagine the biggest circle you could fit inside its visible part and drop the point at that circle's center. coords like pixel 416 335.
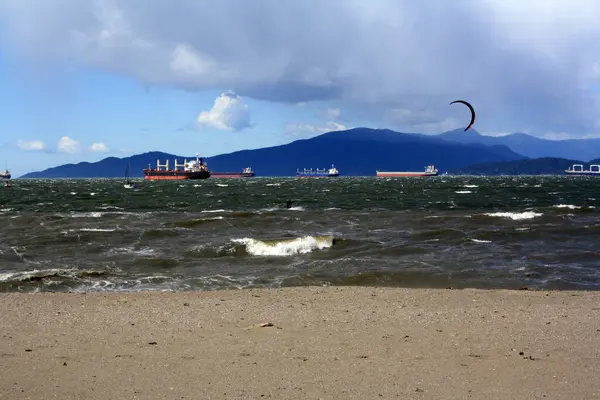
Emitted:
pixel 31 145
pixel 99 148
pixel 527 65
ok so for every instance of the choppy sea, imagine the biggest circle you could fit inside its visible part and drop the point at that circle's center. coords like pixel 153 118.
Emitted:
pixel 482 232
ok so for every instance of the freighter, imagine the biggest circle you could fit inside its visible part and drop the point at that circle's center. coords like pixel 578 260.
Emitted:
pixel 246 173
pixel 577 169
pixel 430 170
pixel 319 173
pixel 195 169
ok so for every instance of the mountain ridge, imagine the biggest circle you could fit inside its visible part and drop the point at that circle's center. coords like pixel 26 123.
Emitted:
pixel 357 151
pixel 531 146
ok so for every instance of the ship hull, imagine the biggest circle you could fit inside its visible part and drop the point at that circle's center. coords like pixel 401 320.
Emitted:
pixel 5 176
pixel 583 173
pixel 231 174
pixel 404 173
pixel 317 175
pixel 174 175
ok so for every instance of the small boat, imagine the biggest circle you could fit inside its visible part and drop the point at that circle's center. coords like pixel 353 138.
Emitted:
pixel 6 174
pixel 128 184
pixel 577 169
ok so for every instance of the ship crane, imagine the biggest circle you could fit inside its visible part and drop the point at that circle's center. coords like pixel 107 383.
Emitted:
pixel 165 165
pixel 177 165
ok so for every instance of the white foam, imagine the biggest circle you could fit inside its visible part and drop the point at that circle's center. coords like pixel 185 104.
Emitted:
pixel 481 241
pixel 26 275
pixel 463 191
pixel 515 216
pixel 470 186
pixel 297 208
pixel 222 185
pixel 213 211
pixel 105 207
pixel 285 247
pixel 94 214
pixel 273 184
pixel 569 206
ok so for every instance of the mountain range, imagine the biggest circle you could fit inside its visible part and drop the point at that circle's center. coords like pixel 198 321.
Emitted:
pixel 531 146
pixel 361 151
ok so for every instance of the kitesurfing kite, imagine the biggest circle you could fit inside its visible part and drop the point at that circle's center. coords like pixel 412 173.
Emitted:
pixel 472 112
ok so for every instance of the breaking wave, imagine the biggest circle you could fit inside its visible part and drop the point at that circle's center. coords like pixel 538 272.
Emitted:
pixel 285 247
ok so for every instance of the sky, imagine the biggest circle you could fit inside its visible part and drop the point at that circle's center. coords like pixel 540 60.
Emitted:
pixel 81 80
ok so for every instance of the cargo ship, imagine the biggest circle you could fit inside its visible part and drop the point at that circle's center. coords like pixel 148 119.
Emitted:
pixel 319 173
pixel 430 170
pixel 246 173
pixel 195 169
pixel 577 169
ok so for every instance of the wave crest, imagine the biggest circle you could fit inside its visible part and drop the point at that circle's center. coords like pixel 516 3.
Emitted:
pixel 285 247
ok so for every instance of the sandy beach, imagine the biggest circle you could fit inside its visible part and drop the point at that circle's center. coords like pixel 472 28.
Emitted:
pixel 324 343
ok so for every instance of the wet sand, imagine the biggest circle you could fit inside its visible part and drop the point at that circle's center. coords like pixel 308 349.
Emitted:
pixel 325 343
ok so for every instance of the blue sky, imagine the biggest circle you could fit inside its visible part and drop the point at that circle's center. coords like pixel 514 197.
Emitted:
pixel 86 79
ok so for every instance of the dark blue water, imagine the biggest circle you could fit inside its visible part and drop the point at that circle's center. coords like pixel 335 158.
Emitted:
pixel 486 232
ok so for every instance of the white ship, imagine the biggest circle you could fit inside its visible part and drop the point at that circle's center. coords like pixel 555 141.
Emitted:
pixel 577 169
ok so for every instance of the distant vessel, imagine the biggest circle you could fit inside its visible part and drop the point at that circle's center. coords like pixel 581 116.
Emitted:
pixel 577 169
pixel 430 170
pixel 195 169
pixel 319 173
pixel 246 173
pixel 5 174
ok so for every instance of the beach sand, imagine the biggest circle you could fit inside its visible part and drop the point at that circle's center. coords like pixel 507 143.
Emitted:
pixel 325 343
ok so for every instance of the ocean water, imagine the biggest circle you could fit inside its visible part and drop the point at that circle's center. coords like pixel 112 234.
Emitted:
pixel 484 232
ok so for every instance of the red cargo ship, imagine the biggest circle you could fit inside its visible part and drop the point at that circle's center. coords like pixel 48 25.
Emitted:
pixel 195 169
pixel 246 173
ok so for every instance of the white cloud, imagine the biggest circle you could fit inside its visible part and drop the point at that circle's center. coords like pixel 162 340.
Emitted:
pixel 31 145
pixel 333 113
pixel 228 113
pixel 419 120
pixel 312 129
pixel 566 135
pixel 518 62
pixel 68 145
pixel 99 147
